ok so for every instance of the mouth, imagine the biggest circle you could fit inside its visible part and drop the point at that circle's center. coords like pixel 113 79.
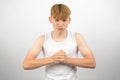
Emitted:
pixel 61 28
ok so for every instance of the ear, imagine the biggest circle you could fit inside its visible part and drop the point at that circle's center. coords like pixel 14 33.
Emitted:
pixel 69 19
pixel 50 19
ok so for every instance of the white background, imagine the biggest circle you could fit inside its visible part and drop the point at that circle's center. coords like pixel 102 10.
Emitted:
pixel 22 21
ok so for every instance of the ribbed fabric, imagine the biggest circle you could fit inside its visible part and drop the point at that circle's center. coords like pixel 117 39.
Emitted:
pixel 60 71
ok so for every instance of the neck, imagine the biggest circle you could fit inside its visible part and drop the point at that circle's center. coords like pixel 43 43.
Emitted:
pixel 59 35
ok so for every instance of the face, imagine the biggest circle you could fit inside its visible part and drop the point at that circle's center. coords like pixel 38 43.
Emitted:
pixel 59 25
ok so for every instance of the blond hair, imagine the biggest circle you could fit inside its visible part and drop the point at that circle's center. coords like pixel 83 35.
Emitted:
pixel 60 11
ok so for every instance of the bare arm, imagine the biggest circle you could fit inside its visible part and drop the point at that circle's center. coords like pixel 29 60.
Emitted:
pixel 30 61
pixel 88 60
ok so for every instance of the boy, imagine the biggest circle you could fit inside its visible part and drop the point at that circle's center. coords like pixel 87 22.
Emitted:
pixel 60 48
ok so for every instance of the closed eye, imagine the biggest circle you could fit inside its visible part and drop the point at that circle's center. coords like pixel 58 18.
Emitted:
pixel 64 20
pixel 56 20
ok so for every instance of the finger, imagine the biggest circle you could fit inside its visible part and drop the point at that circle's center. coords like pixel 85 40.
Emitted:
pixel 56 61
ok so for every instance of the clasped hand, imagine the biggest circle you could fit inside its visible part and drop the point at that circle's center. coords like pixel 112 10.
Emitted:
pixel 59 57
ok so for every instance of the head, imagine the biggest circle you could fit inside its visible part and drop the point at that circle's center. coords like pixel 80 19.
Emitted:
pixel 60 16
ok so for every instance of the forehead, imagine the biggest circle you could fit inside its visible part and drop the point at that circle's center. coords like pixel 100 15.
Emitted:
pixel 61 18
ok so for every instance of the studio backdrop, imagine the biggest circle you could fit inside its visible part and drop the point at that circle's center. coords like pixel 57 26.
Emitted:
pixel 23 21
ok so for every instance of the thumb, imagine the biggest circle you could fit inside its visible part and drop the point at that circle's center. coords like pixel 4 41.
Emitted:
pixel 61 51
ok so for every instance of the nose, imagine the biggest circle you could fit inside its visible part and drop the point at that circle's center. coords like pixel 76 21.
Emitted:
pixel 60 22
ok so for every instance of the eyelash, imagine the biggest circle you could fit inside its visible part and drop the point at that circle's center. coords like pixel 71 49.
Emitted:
pixel 62 20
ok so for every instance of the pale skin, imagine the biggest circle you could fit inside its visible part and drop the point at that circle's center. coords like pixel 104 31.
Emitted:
pixel 59 34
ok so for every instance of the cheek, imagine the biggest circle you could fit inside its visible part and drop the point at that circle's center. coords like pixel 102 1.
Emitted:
pixel 53 23
pixel 66 23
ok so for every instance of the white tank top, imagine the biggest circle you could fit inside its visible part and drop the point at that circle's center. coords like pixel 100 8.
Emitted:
pixel 55 71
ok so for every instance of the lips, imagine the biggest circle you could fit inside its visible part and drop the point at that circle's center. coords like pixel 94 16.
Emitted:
pixel 61 28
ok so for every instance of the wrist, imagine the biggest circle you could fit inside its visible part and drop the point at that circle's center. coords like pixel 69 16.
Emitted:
pixel 49 60
pixel 69 60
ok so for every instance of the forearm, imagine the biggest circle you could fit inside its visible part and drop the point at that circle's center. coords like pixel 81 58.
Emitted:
pixel 81 62
pixel 36 63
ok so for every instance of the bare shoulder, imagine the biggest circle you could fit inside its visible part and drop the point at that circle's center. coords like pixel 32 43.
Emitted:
pixel 38 44
pixel 80 40
pixel 40 40
pixel 36 48
pixel 78 36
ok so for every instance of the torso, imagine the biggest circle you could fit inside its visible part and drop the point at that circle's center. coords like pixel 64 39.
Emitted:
pixel 61 71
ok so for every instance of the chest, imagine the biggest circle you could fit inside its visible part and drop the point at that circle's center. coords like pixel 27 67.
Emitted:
pixel 69 46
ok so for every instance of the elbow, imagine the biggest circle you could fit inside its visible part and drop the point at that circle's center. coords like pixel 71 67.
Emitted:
pixel 26 66
pixel 92 65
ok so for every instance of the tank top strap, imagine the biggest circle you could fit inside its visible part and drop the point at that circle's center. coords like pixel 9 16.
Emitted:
pixel 72 34
pixel 47 36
